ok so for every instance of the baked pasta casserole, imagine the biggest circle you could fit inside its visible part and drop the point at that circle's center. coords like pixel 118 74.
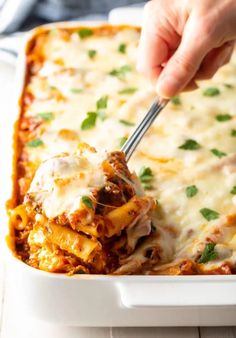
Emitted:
pixel 77 207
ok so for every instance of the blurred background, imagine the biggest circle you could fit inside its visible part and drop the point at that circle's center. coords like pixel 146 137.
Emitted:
pixel 25 14
pixel 18 16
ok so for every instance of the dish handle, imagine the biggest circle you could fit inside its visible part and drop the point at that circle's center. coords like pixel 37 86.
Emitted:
pixel 168 291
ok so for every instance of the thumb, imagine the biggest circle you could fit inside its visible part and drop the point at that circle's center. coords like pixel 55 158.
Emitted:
pixel 184 63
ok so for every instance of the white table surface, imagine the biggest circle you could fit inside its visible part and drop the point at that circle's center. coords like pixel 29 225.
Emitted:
pixel 14 324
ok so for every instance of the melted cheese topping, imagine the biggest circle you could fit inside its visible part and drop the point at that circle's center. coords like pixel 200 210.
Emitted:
pixel 60 182
pixel 69 85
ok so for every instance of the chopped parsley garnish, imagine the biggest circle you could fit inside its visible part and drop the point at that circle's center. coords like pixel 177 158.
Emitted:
pixel 147 186
pixel 76 90
pixel 129 90
pixel 209 214
pixel 146 177
pixel 102 102
pixel 37 142
pixel 218 153
pixel 233 190
pixel 233 132
pixel 120 72
pixel 87 202
pixel 190 145
pixel 122 141
pixel 127 123
pixel 91 118
pixel 223 117
pixel 90 121
pixel 53 87
pixel 85 32
pixel 92 53
pixel 145 174
pixel 211 91
pixel 122 48
pixel 176 100
pixel 191 191
pixel 208 253
pixel 228 85
pixel 46 116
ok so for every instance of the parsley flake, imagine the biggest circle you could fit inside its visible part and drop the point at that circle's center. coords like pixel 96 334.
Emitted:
pixel 102 102
pixel 90 121
pixel 37 142
pixel 46 116
pixel 211 91
pixel 223 117
pixel 120 72
pixel 209 214
pixel 218 153
pixel 53 87
pixel 176 100
pixel 87 202
pixel 76 90
pixel 228 85
pixel 127 123
pixel 92 53
pixel 190 145
pixel 208 253
pixel 191 191
pixel 233 132
pixel 122 141
pixel 147 186
pixel 233 190
pixel 85 32
pixel 146 177
pixel 129 90
pixel 122 48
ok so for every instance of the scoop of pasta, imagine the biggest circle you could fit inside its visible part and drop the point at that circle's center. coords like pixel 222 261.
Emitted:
pixel 85 212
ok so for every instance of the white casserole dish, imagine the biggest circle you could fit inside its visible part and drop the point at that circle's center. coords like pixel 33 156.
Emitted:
pixel 95 300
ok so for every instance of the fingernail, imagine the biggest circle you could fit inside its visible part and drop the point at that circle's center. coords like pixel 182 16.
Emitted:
pixel 167 86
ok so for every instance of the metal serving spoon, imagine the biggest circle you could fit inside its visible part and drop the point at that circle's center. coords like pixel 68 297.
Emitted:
pixel 134 140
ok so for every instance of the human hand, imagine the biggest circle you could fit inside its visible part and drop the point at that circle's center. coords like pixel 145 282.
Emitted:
pixel 185 40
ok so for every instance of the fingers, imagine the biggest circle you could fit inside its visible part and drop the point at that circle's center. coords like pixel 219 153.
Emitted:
pixel 184 64
pixel 151 54
pixel 215 59
pixel 178 47
pixel 153 48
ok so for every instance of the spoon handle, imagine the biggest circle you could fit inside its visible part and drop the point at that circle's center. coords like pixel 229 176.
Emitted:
pixel 134 140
